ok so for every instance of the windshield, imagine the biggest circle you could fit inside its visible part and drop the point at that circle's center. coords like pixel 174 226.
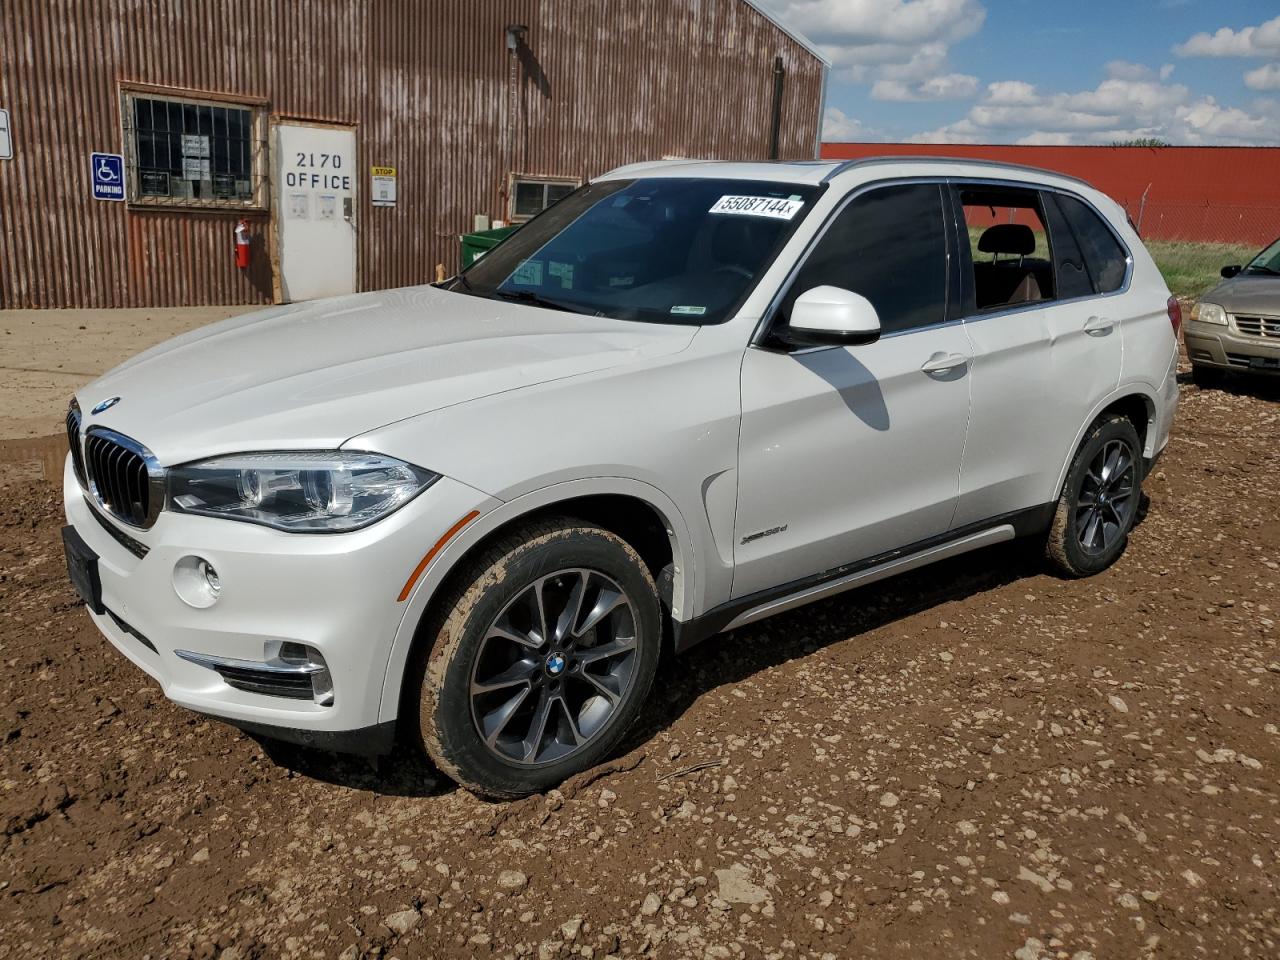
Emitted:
pixel 1268 261
pixel 655 250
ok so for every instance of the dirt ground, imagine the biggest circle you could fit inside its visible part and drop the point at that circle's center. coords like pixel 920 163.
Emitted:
pixel 47 354
pixel 975 760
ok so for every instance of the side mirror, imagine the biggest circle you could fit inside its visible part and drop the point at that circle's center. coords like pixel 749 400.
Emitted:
pixel 1231 271
pixel 831 316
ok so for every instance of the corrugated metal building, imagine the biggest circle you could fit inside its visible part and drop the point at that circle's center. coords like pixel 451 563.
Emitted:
pixel 1213 194
pixel 277 112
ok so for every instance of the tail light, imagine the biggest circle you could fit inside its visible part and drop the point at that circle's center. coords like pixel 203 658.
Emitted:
pixel 1175 314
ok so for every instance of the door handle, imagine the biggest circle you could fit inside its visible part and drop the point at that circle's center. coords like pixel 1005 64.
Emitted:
pixel 1099 326
pixel 944 362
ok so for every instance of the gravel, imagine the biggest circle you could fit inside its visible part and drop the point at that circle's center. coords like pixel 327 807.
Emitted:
pixel 1089 771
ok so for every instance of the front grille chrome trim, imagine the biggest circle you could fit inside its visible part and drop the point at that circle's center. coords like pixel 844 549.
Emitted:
pixel 1257 325
pixel 75 442
pixel 115 482
pixel 136 547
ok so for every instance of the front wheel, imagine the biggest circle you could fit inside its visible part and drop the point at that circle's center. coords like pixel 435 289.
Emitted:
pixel 1099 501
pixel 543 657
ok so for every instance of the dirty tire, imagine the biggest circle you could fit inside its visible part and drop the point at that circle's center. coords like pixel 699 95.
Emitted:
pixel 1063 548
pixel 455 638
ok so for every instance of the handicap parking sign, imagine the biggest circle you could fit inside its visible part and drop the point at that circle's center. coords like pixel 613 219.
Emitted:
pixel 108 176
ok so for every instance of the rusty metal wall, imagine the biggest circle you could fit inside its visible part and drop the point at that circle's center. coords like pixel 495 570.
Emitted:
pixel 430 87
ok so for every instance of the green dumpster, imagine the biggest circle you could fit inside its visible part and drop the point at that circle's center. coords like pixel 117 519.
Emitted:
pixel 475 245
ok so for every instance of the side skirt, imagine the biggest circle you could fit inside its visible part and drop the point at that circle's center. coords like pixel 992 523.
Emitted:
pixel 788 596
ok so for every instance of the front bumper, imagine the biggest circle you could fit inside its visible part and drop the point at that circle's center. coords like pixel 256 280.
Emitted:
pixel 1226 348
pixel 335 593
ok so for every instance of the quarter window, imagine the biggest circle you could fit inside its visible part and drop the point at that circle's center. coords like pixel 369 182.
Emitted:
pixel 185 152
pixel 529 197
pixel 1103 254
pixel 888 244
pixel 1068 262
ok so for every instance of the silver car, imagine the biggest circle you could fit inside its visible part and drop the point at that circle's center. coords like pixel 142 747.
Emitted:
pixel 1236 325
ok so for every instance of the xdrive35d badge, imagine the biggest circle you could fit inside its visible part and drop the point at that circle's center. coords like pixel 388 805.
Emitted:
pixel 472 515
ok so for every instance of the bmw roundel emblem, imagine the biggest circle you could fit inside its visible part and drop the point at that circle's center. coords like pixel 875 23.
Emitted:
pixel 105 405
pixel 555 664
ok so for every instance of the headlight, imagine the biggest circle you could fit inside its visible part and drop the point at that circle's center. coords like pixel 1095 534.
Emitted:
pixel 1209 313
pixel 308 491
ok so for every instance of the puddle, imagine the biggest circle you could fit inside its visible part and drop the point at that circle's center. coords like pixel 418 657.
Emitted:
pixel 33 458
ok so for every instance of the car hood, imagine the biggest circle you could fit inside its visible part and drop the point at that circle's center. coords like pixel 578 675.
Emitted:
pixel 314 375
pixel 1253 294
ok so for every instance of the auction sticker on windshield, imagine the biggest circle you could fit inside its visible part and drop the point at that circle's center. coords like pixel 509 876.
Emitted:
pixel 758 207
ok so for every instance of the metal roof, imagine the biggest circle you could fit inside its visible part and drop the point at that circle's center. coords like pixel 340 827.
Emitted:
pixel 794 34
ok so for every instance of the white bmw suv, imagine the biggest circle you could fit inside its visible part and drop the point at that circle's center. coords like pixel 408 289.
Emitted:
pixel 686 397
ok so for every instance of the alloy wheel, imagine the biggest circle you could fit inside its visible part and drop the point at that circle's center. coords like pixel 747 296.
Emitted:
pixel 553 667
pixel 1107 497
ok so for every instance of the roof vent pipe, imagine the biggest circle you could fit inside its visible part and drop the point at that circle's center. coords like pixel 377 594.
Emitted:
pixel 775 122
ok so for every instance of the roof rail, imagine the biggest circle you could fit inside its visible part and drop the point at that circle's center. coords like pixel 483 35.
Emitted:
pixel 963 161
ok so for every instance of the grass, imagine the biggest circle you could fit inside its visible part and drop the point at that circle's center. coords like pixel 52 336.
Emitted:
pixel 1191 268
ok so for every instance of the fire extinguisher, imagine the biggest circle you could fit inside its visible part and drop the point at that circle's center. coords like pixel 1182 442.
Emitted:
pixel 242 245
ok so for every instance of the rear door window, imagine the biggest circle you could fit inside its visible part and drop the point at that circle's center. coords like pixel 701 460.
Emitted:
pixel 1008 247
pixel 888 244
pixel 1105 258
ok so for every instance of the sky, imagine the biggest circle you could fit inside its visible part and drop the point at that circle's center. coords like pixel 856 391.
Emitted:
pixel 1032 71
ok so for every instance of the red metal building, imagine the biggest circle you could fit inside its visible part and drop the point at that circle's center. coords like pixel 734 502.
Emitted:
pixel 1227 194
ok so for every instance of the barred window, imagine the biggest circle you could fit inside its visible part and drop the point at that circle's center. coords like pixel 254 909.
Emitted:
pixel 530 196
pixel 189 152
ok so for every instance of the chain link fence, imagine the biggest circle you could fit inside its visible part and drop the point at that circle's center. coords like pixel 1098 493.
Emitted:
pixel 1206 222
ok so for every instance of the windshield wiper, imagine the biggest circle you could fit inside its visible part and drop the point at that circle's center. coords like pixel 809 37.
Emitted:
pixel 529 297
pixel 1261 269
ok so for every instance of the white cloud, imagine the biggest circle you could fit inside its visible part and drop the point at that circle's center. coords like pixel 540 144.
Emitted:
pixel 902 44
pixel 1260 41
pixel 1264 78
pixel 861 23
pixel 1132 98
pixel 1132 102
pixel 1206 122
pixel 1124 70
pixel 1012 92
pixel 962 131
pixel 839 127
pixel 948 86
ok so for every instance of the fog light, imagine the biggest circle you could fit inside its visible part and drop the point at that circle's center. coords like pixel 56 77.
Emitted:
pixel 196 582
pixel 211 577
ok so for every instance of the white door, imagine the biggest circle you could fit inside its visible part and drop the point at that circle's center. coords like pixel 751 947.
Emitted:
pixel 315 211
pixel 1038 373
pixel 849 452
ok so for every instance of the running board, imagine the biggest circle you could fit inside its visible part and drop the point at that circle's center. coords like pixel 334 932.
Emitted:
pixel 889 568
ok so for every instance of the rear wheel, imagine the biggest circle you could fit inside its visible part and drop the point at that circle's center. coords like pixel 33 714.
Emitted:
pixel 1099 501
pixel 543 657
